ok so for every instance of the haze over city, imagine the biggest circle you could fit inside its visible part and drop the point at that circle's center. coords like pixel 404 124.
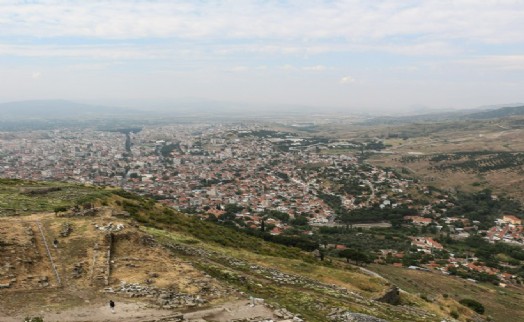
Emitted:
pixel 354 55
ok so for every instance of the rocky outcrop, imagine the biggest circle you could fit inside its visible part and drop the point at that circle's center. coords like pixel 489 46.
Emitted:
pixel 354 317
pixel 286 315
pixel 392 296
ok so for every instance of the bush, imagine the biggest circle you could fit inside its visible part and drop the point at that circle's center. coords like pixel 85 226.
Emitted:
pixel 474 305
pixel 60 209
pixel 33 319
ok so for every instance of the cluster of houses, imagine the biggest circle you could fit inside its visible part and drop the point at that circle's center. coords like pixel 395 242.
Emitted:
pixel 508 229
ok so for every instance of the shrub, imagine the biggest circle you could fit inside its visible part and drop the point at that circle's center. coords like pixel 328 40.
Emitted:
pixel 60 209
pixel 474 305
pixel 34 319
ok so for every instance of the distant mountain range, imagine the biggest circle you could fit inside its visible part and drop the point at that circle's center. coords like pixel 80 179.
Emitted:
pixel 63 109
pixel 57 109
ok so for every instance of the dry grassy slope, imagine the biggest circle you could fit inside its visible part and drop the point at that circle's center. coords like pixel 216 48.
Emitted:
pixel 309 288
pixel 182 256
pixel 468 136
pixel 500 304
pixel 135 258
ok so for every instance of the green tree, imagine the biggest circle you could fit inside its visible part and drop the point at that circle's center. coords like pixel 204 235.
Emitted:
pixel 346 253
pixel 347 219
pixel 299 221
pixel 356 255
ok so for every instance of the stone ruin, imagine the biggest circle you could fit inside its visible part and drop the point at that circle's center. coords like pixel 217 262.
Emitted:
pixel 100 272
pixel 165 298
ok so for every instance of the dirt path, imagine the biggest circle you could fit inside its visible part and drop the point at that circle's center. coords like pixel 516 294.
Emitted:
pixel 371 273
pixel 96 313
pixel 135 312
pixel 236 310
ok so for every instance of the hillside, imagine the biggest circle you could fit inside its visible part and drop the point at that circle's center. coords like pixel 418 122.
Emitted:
pixel 464 115
pixel 160 265
pixel 458 155
pixel 498 113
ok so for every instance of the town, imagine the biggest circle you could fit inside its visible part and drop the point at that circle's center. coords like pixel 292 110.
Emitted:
pixel 257 177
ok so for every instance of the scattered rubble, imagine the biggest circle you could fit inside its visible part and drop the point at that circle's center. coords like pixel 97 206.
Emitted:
pixel 346 316
pixel 256 301
pixel 5 285
pixel 148 240
pixel 43 281
pixel 67 229
pixel 167 299
pixel 78 270
pixel 110 227
pixel 29 232
pixel 284 314
pixel 177 317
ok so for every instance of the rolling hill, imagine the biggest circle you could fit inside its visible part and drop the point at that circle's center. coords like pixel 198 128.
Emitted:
pixel 498 113
pixel 462 115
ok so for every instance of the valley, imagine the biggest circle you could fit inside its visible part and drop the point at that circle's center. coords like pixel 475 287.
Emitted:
pixel 264 221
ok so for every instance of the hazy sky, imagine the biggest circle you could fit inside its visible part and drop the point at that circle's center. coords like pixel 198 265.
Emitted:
pixel 359 54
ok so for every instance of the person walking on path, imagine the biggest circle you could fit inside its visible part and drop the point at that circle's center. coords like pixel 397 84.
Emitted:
pixel 112 306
